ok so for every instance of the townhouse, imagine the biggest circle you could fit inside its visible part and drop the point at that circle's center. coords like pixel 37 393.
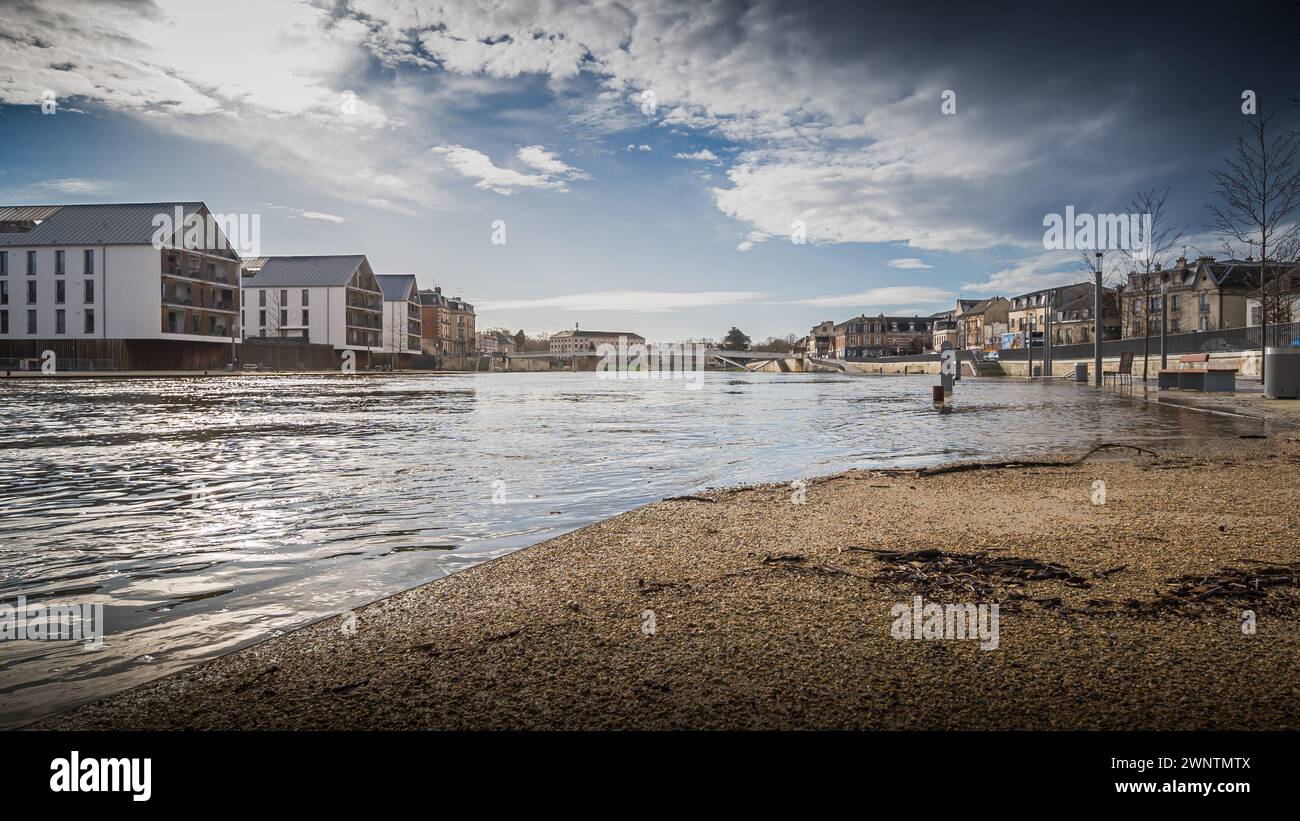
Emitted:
pixel 1204 295
pixel 981 322
pixel 402 324
pixel 447 329
pixel 330 300
pixel 118 285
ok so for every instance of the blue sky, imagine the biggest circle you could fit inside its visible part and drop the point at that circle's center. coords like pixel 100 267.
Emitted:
pixel 403 130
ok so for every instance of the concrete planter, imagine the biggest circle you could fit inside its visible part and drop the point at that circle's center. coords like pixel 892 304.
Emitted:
pixel 1282 373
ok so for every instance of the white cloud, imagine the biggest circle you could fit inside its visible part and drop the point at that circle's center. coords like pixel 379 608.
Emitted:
pixel 72 185
pixel 319 215
pixel 703 155
pixel 634 301
pixel 888 295
pixel 1044 270
pixel 475 164
pixel 908 263
pixel 745 246
pixel 642 147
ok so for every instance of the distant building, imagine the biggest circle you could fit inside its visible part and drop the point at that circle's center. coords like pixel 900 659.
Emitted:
pixel 577 341
pixel 882 335
pixel 95 284
pixel 402 324
pixel 821 340
pixel 1035 304
pixel 943 331
pixel 495 343
pixel 331 300
pixel 1205 295
pixel 981 323
pixel 447 329
pixel 1072 323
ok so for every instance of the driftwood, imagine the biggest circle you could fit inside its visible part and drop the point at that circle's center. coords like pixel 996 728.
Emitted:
pixel 1231 586
pixel 962 467
pixel 979 574
pixel 689 499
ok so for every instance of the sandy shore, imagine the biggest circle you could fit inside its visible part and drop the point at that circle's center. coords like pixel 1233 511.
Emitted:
pixel 765 618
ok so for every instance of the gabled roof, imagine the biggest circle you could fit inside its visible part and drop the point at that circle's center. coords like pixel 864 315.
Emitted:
pixel 105 224
pixel 303 272
pixel 396 287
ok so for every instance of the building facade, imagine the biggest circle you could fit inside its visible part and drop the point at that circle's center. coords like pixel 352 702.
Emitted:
pixel 863 336
pixel 332 300
pixel 577 341
pixel 821 340
pixel 1204 295
pixel 118 285
pixel 402 310
pixel 981 323
pixel 447 330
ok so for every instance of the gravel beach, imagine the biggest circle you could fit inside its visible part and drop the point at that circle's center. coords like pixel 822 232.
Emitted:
pixel 741 609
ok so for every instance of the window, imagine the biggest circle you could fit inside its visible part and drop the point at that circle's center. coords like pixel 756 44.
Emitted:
pixel 172 322
pixel 305 292
pixel 89 292
pixel 4 263
pixel 284 298
pixel 88 266
pixel 60 292
pixel 284 317
pixel 4 322
pixel 306 320
pixel 58 263
pixel 261 317
pixel 1173 302
pixel 60 321
pixel 90 320
pixel 31 263
pixel 31 322
pixel 4 292
pixel 261 300
pixel 1205 302
pixel 31 293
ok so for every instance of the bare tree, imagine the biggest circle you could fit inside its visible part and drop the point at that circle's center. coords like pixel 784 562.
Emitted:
pixel 1259 193
pixel 1149 257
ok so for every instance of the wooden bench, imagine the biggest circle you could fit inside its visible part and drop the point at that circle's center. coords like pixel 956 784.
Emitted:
pixel 1125 370
pixel 1195 374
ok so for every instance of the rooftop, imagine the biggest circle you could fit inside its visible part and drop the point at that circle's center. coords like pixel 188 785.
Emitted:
pixel 102 224
pixel 302 272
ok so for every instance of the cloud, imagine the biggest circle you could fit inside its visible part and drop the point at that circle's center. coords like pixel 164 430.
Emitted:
pixel 703 155
pixel 908 263
pixel 745 246
pixel 1044 270
pixel 634 301
pixel 888 295
pixel 642 147
pixel 72 185
pixel 475 164
pixel 318 215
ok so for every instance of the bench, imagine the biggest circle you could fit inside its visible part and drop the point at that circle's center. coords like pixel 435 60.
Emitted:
pixel 1125 370
pixel 1195 374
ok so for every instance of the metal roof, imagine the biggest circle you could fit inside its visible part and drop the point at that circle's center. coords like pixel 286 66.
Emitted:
pixel 306 272
pixel 26 213
pixel 396 287
pixel 106 224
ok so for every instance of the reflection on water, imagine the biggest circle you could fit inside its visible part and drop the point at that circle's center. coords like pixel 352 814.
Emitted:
pixel 205 514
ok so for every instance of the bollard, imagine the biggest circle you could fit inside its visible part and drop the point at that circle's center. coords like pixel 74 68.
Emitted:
pixel 937 392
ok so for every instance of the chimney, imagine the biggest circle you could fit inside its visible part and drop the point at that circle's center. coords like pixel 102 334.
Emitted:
pixel 1182 262
pixel 437 289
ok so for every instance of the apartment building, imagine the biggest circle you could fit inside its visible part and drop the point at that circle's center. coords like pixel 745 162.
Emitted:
pixel 882 335
pixel 447 329
pixel 402 310
pixel 943 330
pixel 1072 322
pixel 981 322
pixel 331 300
pixel 577 341
pixel 821 340
pixel 118 285
pixel 1204 295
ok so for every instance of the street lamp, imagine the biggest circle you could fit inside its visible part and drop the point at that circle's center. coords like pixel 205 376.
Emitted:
pixel 1096 322
pixel 1164 321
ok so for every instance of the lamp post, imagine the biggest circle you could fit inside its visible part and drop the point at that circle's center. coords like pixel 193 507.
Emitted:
pixel 1164 321
pixel 1096 323
pixel 1029 343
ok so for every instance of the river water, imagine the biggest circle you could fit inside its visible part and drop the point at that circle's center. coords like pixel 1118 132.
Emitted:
pixel 206 514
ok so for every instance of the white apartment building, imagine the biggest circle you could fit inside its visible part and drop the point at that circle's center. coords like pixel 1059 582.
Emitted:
pixel 330 300
pixel 402 324
pixel 75 275
pixel 577 341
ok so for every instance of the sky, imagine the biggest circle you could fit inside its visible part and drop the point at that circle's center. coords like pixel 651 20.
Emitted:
pixel 646 166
